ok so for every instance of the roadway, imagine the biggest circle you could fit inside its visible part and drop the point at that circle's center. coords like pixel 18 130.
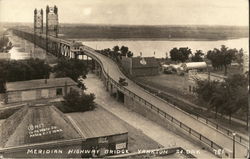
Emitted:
pixel 114 72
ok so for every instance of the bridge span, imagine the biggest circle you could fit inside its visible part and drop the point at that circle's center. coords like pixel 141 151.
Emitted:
pixel 174 118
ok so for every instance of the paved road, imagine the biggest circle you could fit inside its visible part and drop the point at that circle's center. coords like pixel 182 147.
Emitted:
pixel 112 69
pixel 148 127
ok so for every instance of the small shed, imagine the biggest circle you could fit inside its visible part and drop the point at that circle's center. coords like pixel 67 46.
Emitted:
pixel 38 89
pixel 140 66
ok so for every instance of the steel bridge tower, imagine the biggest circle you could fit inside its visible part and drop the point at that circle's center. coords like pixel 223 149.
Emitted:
pixel 52 27
pixel 38 24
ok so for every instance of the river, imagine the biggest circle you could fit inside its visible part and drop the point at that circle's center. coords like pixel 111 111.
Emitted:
pixel 23 49
pixel 159 48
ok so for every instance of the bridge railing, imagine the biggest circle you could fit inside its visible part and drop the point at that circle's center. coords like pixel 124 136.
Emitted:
pixel 238 138
pixel 219 128
pixel 163 114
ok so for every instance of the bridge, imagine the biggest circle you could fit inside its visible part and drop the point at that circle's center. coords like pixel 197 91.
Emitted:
pixel 218 142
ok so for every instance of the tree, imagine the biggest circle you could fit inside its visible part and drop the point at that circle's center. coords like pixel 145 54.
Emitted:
pixel 197 57
pixel 124 51
pixel 225 97
pixel 205 89
pixel 239 58
pixel 72 68
pixel 130 54
pixel 74 102
pixel 116 48
pixel 181 54
pixel 11 71
pixel 222 57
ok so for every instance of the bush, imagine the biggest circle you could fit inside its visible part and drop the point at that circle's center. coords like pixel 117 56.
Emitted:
pixel 74 102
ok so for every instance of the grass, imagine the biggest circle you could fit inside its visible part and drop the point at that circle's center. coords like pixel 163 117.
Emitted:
pixel 174 85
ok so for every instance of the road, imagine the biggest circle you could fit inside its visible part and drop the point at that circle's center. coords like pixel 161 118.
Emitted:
pixel 158 133
pixel 114 72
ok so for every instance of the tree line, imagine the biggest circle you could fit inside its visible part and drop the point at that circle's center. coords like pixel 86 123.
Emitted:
pixel 117 52
pixel 220 58
pixel 226 97
pixel 22 70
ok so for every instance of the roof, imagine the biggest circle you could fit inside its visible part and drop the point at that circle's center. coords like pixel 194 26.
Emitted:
pixel 193 65
pixel 23 126
pixel 77 44
pixel 142 62
pixel 39 83
pixel 95 123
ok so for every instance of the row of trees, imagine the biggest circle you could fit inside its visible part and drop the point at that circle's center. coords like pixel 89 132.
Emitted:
pixel 22 70
pixel 116 53
pixel 226 97
pixel 220 58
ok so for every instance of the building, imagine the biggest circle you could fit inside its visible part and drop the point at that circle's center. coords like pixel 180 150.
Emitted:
pixel 4 56
pixel 22 91
pixel 43 131
pixel 140 66
pixel 194 65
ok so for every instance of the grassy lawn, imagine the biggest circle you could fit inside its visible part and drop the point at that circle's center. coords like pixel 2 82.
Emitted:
pixel 171 83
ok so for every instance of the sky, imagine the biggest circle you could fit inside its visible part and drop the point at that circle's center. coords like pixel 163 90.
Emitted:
pixel 133 12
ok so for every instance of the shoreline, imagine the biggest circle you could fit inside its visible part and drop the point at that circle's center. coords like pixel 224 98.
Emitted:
pixel 150 39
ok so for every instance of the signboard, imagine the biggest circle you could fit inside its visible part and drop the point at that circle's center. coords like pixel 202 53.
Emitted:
pixel 143 61
pixel 120 146
pixel 103 140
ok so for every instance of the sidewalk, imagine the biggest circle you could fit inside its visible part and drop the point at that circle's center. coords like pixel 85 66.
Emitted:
pixel 149 128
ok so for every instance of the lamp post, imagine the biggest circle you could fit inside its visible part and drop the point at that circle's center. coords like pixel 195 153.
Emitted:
pixel 234 144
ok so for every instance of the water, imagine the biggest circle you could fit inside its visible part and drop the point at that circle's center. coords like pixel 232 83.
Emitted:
pixel 160 49
pixel 23 49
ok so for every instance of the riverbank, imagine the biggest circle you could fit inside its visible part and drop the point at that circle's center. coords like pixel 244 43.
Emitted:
pixel 148 39
pixel 130 32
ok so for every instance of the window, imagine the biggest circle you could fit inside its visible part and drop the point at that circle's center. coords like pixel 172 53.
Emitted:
pixel 59 91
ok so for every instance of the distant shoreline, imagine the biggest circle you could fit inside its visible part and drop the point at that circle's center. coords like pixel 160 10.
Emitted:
pixel 150 39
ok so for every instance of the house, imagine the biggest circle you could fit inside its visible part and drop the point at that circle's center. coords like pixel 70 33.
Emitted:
pixel 43 131
pixel 140 66
pixel 22 91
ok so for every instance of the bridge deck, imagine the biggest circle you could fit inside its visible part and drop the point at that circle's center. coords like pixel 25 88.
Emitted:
pixel 211 133
pixel 114 72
